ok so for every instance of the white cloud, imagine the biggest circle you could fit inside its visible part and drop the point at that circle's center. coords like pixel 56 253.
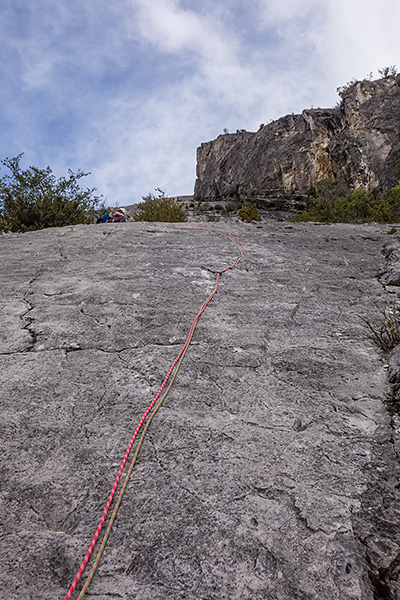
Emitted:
pixel 129 89
pixel 171 27
pixel 284 11
pixel 337 39
pixel 361 36
pixel 139 147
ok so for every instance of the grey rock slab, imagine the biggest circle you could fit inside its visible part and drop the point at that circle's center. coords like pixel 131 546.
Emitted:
pixel 270 471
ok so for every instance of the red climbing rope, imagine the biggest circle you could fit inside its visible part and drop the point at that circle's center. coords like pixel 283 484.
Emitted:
pixel 151 407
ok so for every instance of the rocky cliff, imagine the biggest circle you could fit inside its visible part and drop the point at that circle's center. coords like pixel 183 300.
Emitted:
pixel 357 143
pixel 270 472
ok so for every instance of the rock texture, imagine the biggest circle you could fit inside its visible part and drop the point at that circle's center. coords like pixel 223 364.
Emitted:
pixel 357 143
pixel 271 472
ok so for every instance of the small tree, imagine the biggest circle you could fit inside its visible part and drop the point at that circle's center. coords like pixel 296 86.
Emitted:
pixel 162 209
pixel 388 71
pixel 34 198
pixel 249 212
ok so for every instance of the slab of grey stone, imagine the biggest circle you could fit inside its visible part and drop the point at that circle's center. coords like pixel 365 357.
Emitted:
pixel 269 473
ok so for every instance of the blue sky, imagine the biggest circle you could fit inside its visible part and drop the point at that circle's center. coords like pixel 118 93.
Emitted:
pixel 128 89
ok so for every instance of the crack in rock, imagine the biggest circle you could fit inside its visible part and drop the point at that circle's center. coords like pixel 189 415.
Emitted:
pixel 28 327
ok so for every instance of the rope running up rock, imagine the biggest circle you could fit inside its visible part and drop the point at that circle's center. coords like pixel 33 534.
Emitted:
pixel 149 415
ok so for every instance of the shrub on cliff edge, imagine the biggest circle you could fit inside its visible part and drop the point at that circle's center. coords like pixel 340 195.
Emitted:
pixel 35 199
pixel 329 203
pixel 162 209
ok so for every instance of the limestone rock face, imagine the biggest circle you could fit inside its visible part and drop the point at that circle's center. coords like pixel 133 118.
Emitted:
pixel 270 472
pixel 357 143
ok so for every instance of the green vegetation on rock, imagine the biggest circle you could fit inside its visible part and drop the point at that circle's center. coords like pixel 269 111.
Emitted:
pixel 35 199
pixel 249 212
pixel 330 202
pixel 160 208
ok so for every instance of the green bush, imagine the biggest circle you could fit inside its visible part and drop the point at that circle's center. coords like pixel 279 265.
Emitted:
pixel 161 209
pixel 328 202
pixel 392 199
pixel 34 199
pixel 249 212
pixel 4 225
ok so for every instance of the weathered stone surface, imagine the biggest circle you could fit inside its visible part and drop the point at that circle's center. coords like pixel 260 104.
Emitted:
pixel 269 473
pixel 358 144
pixel 391 275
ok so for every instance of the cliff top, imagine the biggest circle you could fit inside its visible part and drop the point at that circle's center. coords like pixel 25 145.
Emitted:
pixel 357 143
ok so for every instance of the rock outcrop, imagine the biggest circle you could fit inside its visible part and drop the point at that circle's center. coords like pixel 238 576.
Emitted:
pixel 271 471
pixel 357 143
